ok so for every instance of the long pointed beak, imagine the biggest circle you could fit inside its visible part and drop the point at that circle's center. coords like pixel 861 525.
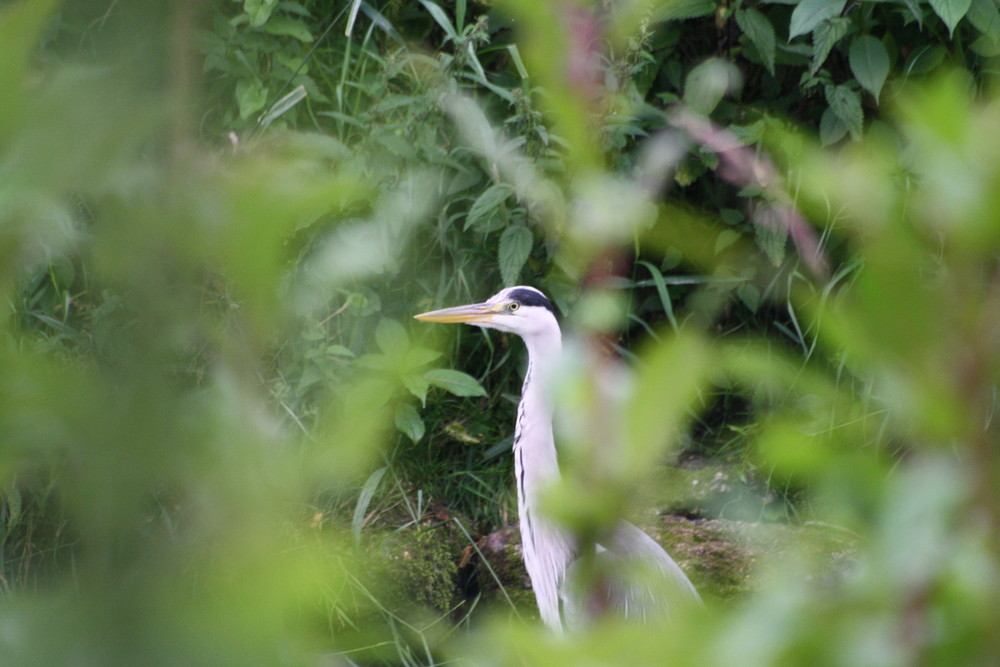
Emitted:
pixel 476 313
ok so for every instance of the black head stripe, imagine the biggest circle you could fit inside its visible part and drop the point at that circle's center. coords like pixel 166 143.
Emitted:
pixel 527 297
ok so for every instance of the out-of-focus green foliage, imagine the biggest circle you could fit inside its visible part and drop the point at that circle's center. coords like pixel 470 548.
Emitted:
pixel 210 405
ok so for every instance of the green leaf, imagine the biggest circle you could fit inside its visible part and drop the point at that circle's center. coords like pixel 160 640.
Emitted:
pixel 441 18
pixel 846 103
pixel 760 32
pixel 869 63
pixel 825 37
pixel 390 336
pixel 486 206
pixel 985 18
pixel 808 14
pixel 679 10
pixel 455 382
pixel 707 84
pixel 417 385
pixel 951 11
pixel 726 238
pixel 924 60
pixel 251 95
pixel 831 128
pixel 288 27
pixel 771 234
pixel 365 499
pixel 515 247
pixel 418 356
pixel 336 350
pixel 409 423
pixel 259 11
pixel 915 11
pixel 750 295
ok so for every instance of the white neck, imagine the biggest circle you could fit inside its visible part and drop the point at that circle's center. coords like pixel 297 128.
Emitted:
pixel 548 550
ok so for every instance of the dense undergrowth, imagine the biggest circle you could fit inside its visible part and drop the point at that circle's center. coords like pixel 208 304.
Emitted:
pixel 222 440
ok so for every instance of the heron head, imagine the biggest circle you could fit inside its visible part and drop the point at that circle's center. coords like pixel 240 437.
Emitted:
pixel 521 310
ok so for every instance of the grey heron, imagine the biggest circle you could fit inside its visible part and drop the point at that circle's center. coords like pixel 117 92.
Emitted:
pixel 549 550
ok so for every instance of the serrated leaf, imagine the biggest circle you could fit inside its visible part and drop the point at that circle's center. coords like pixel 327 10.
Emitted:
pixel 771 235
pixel 846 103
pixel 455 382
pixel 486 206
pixel 808 14
pixel 985 18
pixel 760 32
pixel 515 248
pixel 869 63
pixel 951 11
pixel 750 296
pixel 390 336
pixel 825 37
pixel 831 128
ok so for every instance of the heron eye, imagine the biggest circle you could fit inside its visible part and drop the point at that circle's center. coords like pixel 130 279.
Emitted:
pixel 514 306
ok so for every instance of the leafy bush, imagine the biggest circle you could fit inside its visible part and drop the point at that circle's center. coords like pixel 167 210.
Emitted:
pixel 205 356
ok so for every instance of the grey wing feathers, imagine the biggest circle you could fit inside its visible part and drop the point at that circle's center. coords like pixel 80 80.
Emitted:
pixel 635 578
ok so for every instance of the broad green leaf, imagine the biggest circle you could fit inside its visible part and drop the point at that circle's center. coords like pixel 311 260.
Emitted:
pixel 390 336
pixel 515 247
pixel 455 382
pixel 750 295
pixel 251 95
pixel 985 17
pixel 924 60
pixel 725 239
pixel 288 27
pixel 417 385
pixel 846 103
pixel 825 37
pixel 418 356
pixel 869 63
pixel 951 11
pixel 760 32
pixel 808 14
pixel 486 205
pixel 680 10
pixel 831 128
pixel 259 11
pixel 915 11
pixel 409 423
pixel 707 84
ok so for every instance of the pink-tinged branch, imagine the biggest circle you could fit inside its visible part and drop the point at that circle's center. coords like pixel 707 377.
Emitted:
pixel 741 166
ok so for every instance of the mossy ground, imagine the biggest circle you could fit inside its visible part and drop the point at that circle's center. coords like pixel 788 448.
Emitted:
pixel 440 569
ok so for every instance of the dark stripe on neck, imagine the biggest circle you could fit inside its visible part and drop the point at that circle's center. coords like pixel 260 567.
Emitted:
pixel 527 297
